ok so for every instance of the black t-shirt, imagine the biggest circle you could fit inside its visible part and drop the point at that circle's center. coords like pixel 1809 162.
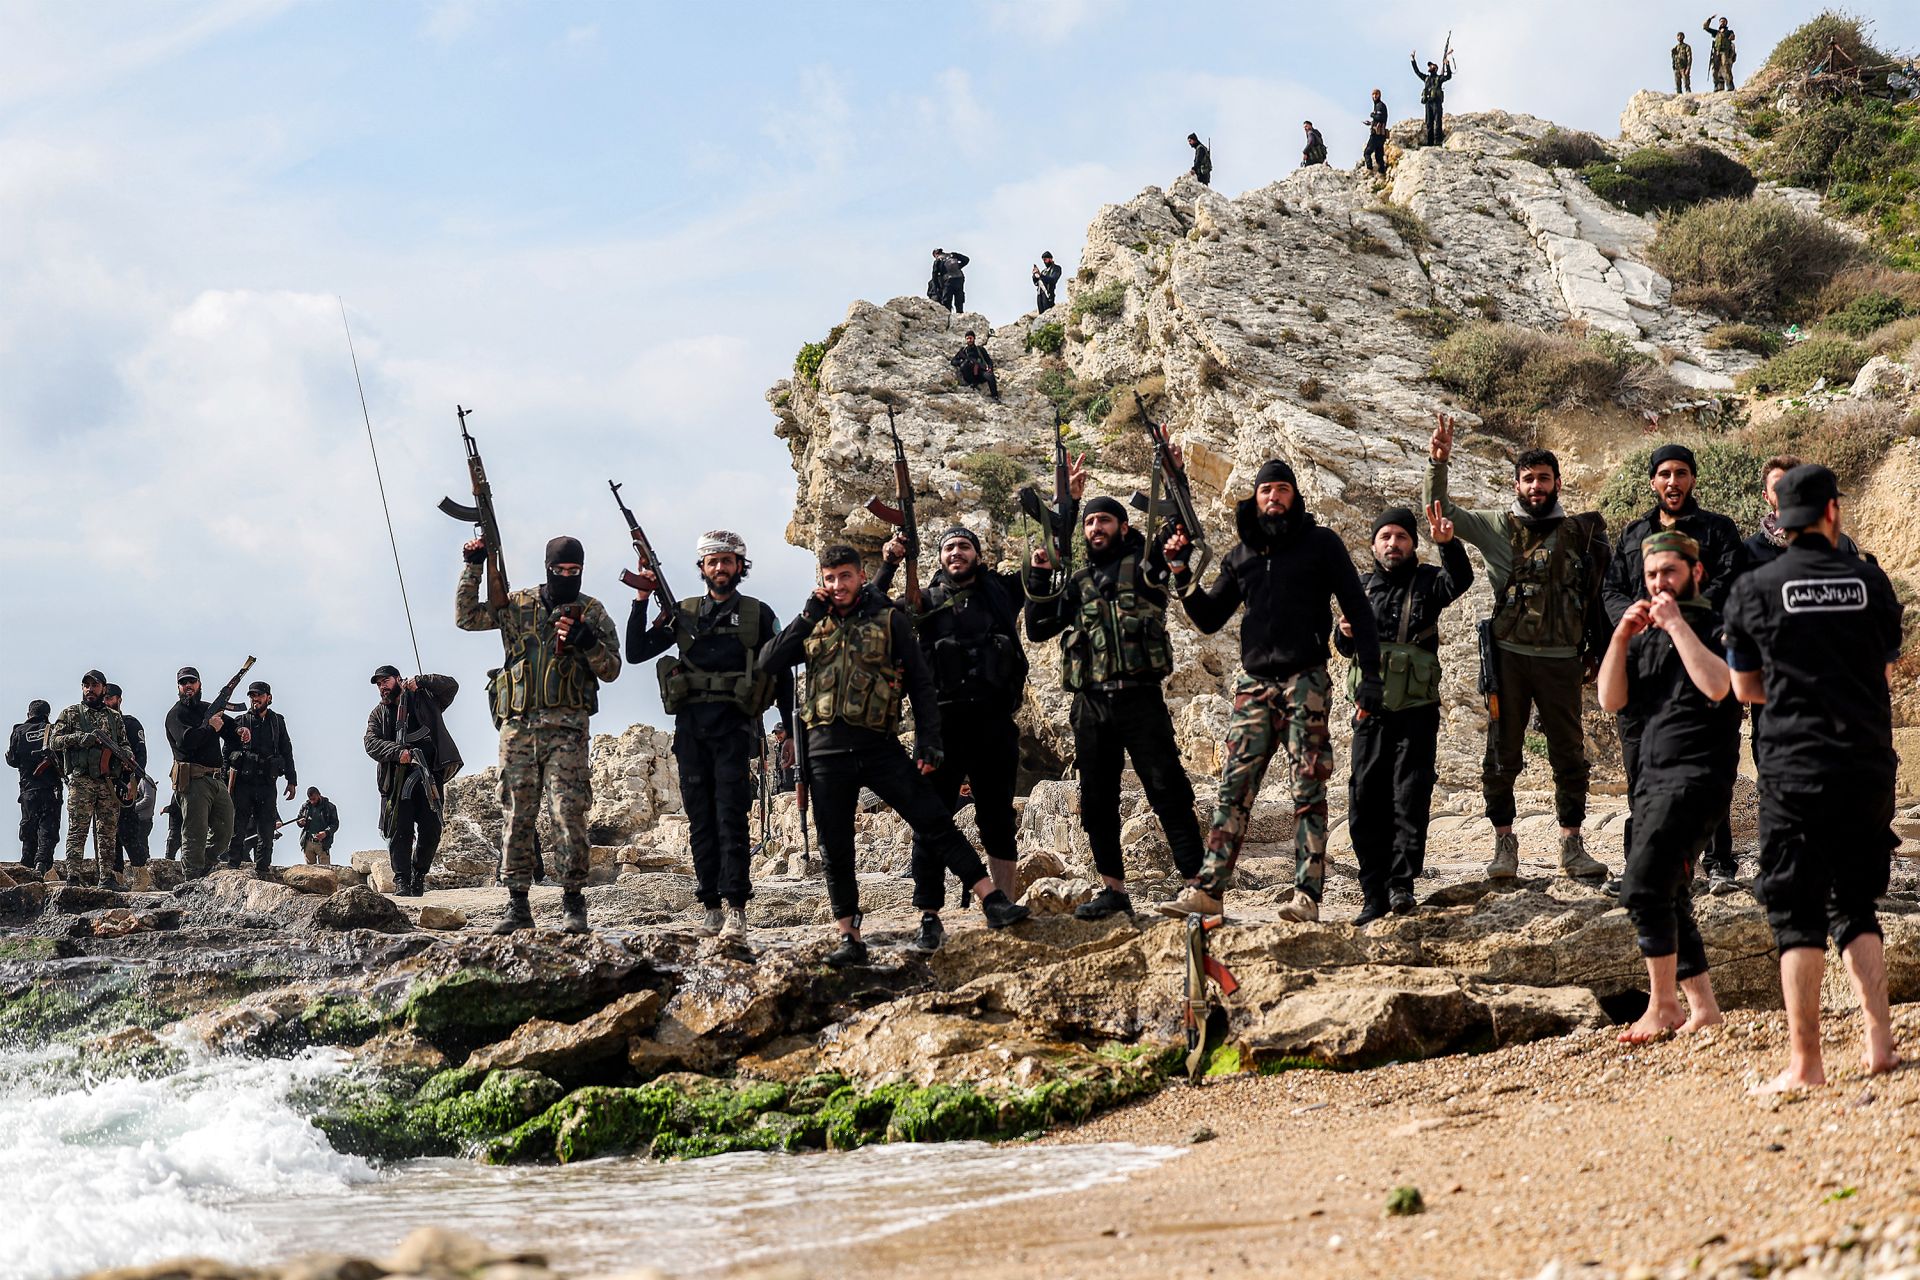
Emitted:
pixel 1822 626
pixel 1688 741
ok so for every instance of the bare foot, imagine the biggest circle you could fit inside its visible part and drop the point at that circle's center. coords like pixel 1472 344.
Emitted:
pixel 1657 1023
pixel 1878 1063
pixel 1701 1019
pixel 1789 1082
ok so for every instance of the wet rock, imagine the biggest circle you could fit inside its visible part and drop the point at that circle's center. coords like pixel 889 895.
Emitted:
pixel 117 923
pixel 358 907
pixel 79 899
pixel 443 918
pixel 560 1048
pixel 23 900
pixel 319 881
pixel 470 991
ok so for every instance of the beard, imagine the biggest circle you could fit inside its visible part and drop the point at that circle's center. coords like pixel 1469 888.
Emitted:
pixel 1540 504
pixel 721 583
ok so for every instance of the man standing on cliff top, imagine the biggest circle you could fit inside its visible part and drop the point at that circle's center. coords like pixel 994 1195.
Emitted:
pixel 1721 58
pixel 1433 96
pixel 1682 64
pixel 1202 170
pixel 1376 152
pixel 1046 283
pixel 1546 569
pixel 1813 636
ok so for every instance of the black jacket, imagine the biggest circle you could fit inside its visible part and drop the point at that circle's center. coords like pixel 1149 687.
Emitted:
pixel 948 270
pixel 426 733
pixel 1433 85
pixel 1048 618
pixel 27 749
pixel 1286 584
pixel 1046 284
pixel 709 653
pixel 193 742
pixel 966 355
pixel 269 754
pixel 788 649
pixel 1377 118
pixel 319 820
pixel 1315 151
pixel 953 619
pixel 1720 551
pixel 1434 588
pixel 1761 550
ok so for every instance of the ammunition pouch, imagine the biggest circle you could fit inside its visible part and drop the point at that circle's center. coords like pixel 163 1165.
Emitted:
pixel 536 676
pixel 683 684
pixel 852 675
pixel 1120 639
pixel 1409 677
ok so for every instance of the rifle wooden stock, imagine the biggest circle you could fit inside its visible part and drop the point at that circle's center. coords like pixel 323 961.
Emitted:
pixel 643 551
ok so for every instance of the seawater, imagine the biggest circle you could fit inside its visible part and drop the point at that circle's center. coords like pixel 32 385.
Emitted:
pixel 216 1160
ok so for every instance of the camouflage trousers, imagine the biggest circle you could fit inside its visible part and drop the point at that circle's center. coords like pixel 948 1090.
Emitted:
pixel 1270 716
pixel 92 802
pixel 545 761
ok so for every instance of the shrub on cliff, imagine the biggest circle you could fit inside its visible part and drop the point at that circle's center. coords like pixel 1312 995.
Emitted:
pixel 1564 149
pixel 1850 436
pixel 1761 255
pixel 813 354
pixel 1509 375
pixel 1664 179
pixel 1808 43
pixel 1800 366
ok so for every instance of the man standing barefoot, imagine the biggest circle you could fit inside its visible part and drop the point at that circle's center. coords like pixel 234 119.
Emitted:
pixel 1813 636
pixel 1662 667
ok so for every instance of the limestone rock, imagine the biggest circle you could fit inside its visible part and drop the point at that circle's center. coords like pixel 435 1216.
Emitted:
pixel 358 907
pixel 559 1048
pixel 1884 379
pixel 319 881
pixel 1055 896
pixel 376 868
pixel 442 918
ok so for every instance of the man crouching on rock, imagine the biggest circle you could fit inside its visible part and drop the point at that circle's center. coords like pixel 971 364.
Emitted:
pixel 862 662
pixel 1661 666
pixel 560 645
pixel 1285 570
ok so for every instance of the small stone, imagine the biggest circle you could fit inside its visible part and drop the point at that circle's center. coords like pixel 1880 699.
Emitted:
pixel 1203 1134
pixel 442 918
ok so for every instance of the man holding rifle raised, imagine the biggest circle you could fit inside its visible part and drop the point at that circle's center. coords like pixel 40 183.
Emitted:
pixel 716 691
pixel 195 731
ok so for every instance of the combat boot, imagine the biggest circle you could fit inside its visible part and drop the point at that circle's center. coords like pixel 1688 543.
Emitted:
pixel 1506 857
pixel 712 922
pixel 1192 901
pixel 573 910
pixel 1001 911
pixel 519 914
pixel 851 951
pixel 1370 910
pixel 1576 863
pixel 1107 902
pixel 1302 908
pixel 735 929
pixel 931 934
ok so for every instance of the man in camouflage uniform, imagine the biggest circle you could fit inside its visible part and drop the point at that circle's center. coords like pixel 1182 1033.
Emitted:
pixel 1682 64
pixel 137 798
pixel 1285 570
pixel 560 645
pixel 1721 58
pixel 39 788
pixel 82 735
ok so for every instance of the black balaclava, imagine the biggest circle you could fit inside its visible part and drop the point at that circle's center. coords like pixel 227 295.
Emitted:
pixel 563 550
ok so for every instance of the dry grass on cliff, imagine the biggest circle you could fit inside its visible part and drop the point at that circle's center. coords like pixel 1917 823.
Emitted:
pixel 1511 375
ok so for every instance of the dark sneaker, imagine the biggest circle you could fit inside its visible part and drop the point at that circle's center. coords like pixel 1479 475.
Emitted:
pixel 1107 902
pixel 851 951
pixel 1001 911
pixel 932 934
pixel 1400 902
pixel 573 910
pixel 1369 912
pixel 1720 884
pixel 519 915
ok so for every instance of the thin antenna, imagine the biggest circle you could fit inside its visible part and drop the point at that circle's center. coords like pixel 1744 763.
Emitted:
pixel 378 479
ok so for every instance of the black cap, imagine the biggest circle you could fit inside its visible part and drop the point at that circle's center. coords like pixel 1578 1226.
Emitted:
pixel 113 691
pixel 1103 505
pixel 1273 470
pixel 186 673
pixel 1671 453
pixel 382 671
pixel 1046 257
pixel 94 677
pixel 1401 516
pixel 259 686
pixel 1803 494
pixel 960 531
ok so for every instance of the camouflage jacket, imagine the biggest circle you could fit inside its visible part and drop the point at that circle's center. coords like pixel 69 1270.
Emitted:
pixel 602 662
pixel 72 736
pixel 1683 56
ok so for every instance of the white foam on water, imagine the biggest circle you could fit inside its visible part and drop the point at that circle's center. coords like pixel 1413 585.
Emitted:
pixel 120 1171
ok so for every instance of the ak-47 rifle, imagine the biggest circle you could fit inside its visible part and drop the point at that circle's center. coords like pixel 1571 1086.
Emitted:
pixel 409 740
pixel 1059 520
pixel 800 787
pixel 1446 54
pixel 220 703
pixel 643 550
pixel 480 515
pixel 1174 476
pixel 1204 1021
pixel 901 516
pixel 108 747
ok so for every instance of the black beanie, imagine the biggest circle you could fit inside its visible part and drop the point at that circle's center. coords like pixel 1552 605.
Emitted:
pixel 1402 516
pixel 1672 453
pixel 1273 470
pixel 565 550
pixel 960 531
pixel 1104 505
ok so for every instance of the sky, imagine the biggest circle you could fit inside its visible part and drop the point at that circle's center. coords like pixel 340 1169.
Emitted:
pixel 605 229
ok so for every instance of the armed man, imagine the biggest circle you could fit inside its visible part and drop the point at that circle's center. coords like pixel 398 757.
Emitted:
pixel 969 633
pixel 1111 617
pixel 1285 571
pixel 1390 790
pixel 1672 473
pixel 862 664
pixel 134 833
pixel 1315 151
pixel 1376 152
pixel 1720 58
pixel 975 366
pixel 1682 64
pixel 1433 95
pixel 88 735
pixel 1663 668
pixel 257 767
pixel 1546 568
pixel 1202 169
pixel 716 691
pixel 415 758
pixel 1814 636
pixel 40 792
pixel 560 646
pixel 319 823
pixel 1046 283
pixel 948 283
pixel 197 734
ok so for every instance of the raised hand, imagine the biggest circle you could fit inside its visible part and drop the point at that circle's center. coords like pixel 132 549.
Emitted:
pixel 1438 525
pixel 1440 446
pixel 1663 611
pixel 1077 477
pixel 1637 618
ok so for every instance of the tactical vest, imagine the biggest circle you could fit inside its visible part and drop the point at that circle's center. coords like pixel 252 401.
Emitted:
pixel 1544 602
pixel 90 759
pixel 682 684
pixel 1409 671
pixel 535 677
pixel 1316 152
pixel 852 674
pixel 1120 639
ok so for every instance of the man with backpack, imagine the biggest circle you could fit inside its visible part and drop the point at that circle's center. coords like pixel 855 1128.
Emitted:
pixel 1316 148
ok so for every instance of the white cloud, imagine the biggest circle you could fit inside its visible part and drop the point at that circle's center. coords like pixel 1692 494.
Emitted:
pixel 1047 21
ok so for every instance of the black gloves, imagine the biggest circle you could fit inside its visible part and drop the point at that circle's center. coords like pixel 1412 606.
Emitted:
pixel 582 636
pixel 928 755
pixel 476 556
pixel 1371 696
pixel 814 609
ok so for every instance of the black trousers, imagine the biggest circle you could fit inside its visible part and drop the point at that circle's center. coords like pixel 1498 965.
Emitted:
pixel 1042 303
pixel 716 784
pixel 1376 151
pixel 1670 831
pixel 1552 685
pixel 955 296
pixel 978 372
pixel 254 813
pixel 39 827
pixel 412 836
pixel 1389 796
pixel 983 749
pixel 1719 856
pixel 1436 115
pixel 131 838
pixel 889 773
pixel 1132 723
